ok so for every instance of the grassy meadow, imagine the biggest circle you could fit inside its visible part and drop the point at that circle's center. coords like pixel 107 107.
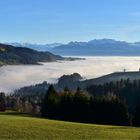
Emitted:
pixel 14 126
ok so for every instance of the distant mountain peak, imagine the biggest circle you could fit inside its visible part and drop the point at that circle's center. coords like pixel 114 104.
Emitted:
pixel 105 40
pixel 39 47
pixel 102 47
pixel 93 47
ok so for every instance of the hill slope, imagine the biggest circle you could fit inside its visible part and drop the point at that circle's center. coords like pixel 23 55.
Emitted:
pixel 39 47
pixel 21 55
pixel 68 80
pixel 22 127
pixel 113 77
pixel 74 80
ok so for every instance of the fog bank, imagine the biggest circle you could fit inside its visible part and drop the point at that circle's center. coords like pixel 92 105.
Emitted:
pixel 13 77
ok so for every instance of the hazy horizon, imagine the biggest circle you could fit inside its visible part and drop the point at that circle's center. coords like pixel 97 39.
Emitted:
pixel 47 43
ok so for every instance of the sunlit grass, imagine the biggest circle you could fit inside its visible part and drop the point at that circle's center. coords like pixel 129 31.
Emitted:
pixel 15 126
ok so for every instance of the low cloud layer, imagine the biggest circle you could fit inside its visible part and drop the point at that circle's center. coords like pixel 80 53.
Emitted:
pixel 13 77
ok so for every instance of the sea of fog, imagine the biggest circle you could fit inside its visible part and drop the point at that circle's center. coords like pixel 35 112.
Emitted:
pixel 16 76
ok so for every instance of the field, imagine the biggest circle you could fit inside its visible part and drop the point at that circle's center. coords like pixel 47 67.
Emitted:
pixel 15 126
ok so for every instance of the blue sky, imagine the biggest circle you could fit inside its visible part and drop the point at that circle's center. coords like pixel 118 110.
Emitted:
pixel 47 21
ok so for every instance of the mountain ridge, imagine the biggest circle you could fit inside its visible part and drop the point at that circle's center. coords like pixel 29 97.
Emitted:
pixel 10 55
pixel 95 47
pixel 100 47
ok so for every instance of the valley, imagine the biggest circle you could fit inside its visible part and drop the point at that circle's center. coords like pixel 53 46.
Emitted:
pixel 91 67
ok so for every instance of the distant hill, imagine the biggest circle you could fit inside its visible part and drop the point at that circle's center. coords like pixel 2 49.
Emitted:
pixel 74 80
pixel 116 83
pixel 113 77
pixel 38 47
pixel 102 47
pixel 10 55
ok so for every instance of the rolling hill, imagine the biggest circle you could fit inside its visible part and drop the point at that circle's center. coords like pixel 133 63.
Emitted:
pixel 74 80
pixel 20 126
pixel 38 47
pixel 69 80
pixel 10 55
pixel 113 77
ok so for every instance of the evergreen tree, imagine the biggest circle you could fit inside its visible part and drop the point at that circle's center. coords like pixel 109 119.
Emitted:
pixel 109 110
pixel 2 102
pixel 81 106
pixel 136 116
pixel 67 90
pixel 49 107
pixel 66 105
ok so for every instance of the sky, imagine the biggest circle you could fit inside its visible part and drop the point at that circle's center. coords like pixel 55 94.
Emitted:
pixel 48 21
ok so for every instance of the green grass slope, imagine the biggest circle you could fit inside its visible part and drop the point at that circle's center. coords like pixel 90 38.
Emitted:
pixel 18 127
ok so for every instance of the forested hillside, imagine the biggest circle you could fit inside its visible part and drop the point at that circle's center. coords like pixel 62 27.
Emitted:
pixel 10 55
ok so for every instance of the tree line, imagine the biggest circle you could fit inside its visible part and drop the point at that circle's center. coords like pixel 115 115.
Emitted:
pixel 126 90
pixel 79 106
pixel 2 102
pixel 29 104
pixel 115 103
